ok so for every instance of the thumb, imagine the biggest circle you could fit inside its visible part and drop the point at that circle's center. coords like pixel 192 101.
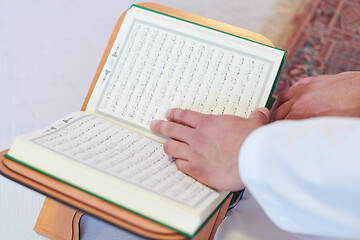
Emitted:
pixel 262 114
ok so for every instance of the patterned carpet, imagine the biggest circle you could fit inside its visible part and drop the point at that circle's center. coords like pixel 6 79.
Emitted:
pixel 326 40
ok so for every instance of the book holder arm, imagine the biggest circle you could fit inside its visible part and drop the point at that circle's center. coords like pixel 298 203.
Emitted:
pixel 58 221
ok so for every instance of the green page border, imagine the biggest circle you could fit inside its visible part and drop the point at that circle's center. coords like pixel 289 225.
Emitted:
pixel 268 102
pixel 271 100
pixel 116 204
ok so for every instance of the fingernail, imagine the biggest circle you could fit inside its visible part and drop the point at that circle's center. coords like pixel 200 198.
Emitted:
pixel 168 114
pixel 264 110
pixel 152 125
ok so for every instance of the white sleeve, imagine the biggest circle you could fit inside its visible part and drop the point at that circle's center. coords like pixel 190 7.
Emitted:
pixel 305 174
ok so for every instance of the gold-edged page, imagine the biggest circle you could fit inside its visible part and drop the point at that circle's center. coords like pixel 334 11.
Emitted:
pixel 119 166
pixel 159 62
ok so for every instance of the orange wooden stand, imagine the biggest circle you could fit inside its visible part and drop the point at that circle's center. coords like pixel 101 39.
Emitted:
pixel 61 222
pixel 59 218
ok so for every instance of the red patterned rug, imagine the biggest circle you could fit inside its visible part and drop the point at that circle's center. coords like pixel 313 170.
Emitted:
pixel 326 40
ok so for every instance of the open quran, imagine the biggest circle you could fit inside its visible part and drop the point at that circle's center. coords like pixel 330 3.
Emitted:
pixel 155 62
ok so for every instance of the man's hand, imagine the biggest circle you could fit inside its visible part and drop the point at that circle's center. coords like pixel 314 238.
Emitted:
pixel 323 95
pixel 206 147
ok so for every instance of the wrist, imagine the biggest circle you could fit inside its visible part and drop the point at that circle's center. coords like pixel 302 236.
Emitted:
pixel 246 151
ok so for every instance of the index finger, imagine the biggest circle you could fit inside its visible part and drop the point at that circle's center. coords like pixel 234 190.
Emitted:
pixel 185 117
pixel 171 130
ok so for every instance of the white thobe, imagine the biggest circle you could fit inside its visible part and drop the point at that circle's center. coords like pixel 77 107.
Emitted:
pixel 305 174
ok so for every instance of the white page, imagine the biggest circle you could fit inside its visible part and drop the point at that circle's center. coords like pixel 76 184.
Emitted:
pixel 121 153
pixel 158 62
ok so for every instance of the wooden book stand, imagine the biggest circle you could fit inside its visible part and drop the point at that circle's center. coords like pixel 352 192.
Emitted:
pixel 61 213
